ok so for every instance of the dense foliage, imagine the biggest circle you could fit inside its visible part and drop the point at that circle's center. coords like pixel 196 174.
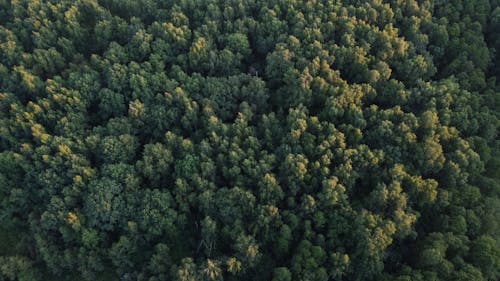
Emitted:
pixel 249 140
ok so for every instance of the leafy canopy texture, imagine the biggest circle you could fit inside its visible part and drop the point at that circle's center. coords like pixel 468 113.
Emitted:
pixel 249 140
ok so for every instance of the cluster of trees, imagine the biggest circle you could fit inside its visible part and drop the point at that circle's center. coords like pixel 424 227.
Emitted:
pixel 249 140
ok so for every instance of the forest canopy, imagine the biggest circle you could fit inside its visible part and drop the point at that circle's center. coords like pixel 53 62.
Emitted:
pixel 249 140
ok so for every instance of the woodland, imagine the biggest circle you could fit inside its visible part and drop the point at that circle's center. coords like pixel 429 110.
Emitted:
pixel 278 140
